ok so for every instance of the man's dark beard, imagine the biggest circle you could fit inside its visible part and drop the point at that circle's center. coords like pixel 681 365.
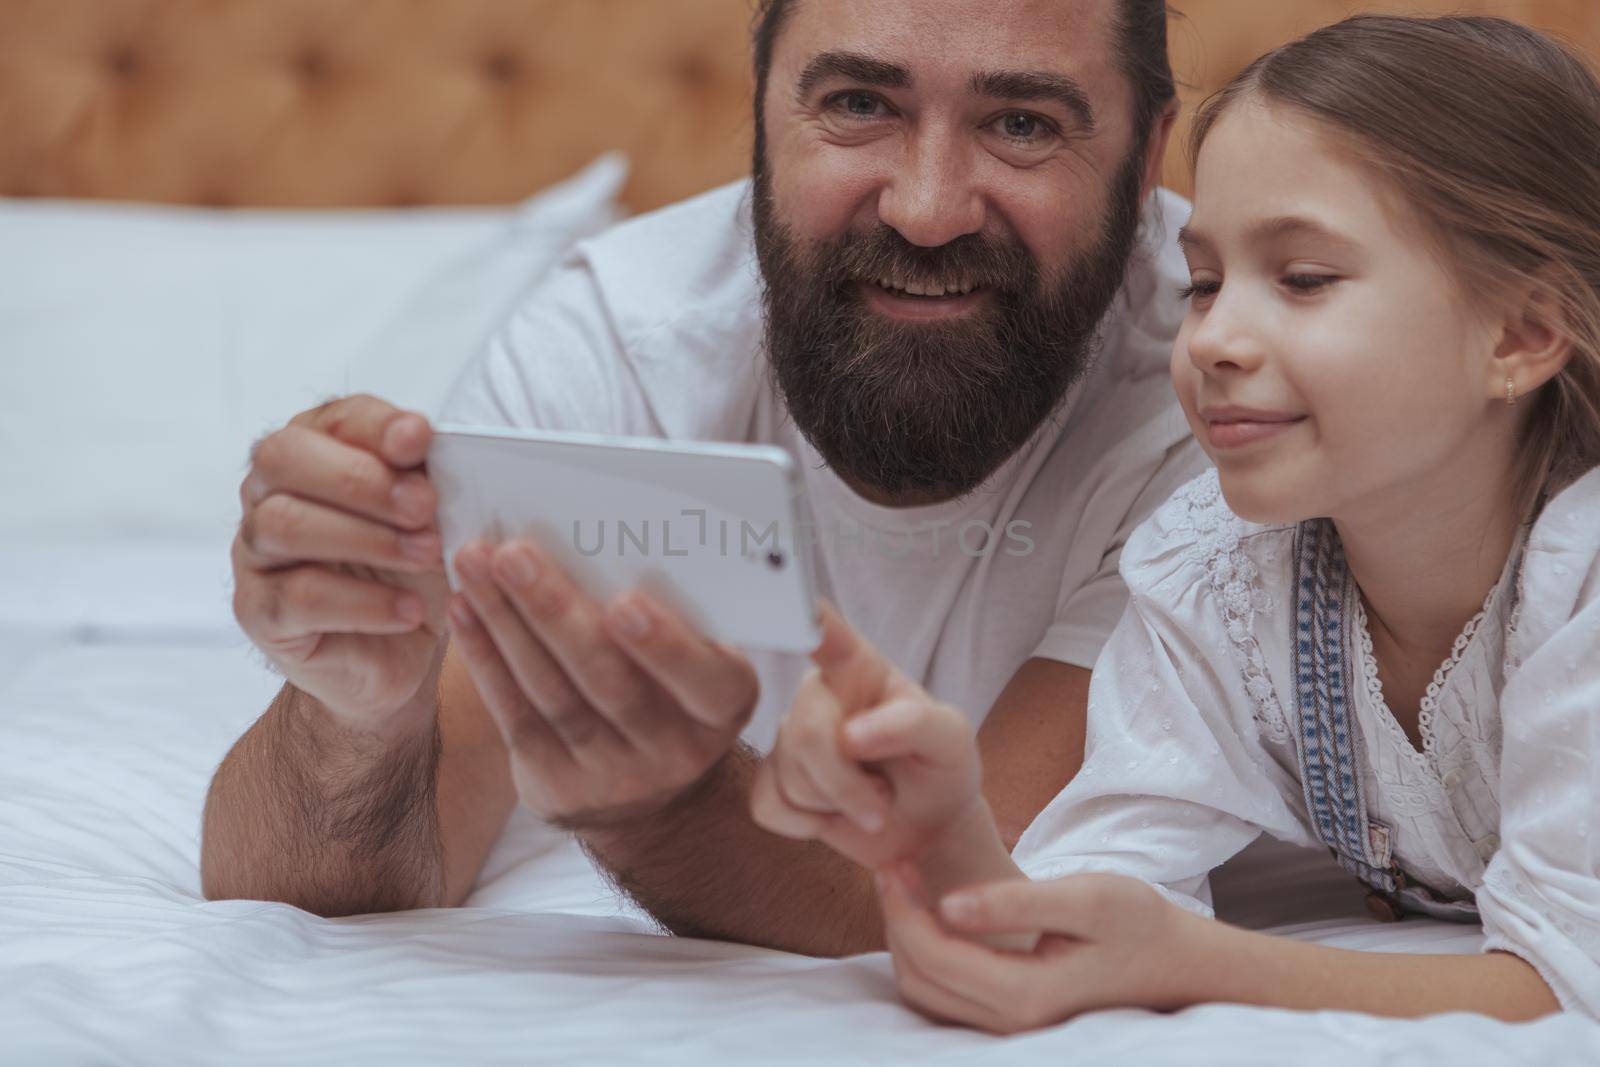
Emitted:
pixel 926 411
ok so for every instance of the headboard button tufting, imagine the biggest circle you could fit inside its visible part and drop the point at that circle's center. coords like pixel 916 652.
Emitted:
pixel 502 67
pixel 341 103
pixel 311 65
pixel 124 62
pixel 693 71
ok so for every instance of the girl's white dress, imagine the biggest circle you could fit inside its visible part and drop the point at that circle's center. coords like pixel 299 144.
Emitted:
pixel 1194 737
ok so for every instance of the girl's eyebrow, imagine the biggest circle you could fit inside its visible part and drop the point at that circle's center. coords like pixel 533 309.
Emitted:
pixel 1189 238
pixel 1263 231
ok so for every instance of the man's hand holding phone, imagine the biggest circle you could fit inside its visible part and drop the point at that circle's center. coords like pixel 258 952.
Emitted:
pixel 338 575
pixel 609 711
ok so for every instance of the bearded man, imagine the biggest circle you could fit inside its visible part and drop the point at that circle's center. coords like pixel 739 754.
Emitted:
pixel 948 289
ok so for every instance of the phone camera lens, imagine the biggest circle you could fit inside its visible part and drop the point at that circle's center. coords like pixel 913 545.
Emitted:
pixel 775 560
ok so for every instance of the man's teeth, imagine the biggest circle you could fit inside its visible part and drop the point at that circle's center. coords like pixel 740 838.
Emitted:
pixel 896 285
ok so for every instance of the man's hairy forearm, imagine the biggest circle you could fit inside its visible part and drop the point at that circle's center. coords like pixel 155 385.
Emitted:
pixel 306 811
pixel 703 868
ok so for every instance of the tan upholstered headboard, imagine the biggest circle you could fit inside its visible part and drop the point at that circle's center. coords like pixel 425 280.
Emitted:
pixel 400 102
pixel 1214 39
pixel 317 103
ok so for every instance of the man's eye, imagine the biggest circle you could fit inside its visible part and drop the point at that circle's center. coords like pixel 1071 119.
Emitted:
pixel 856 104
pixel 1023 127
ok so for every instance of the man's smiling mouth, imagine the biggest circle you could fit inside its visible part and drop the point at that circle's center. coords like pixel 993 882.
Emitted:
pixel 906 287
pixel 920 301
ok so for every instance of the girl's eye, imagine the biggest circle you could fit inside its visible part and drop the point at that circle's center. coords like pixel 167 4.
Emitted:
pixel 1200 289
pixel 1308 283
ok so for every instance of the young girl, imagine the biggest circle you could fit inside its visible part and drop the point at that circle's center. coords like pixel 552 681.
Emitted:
pixel 1375 627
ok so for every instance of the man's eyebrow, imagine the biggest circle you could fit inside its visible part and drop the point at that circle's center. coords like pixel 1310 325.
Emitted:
pixel 853 66
pixel 1263 230
pixel 1037 85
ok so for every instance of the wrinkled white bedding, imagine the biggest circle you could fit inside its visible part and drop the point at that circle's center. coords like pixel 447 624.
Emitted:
pixel 122 683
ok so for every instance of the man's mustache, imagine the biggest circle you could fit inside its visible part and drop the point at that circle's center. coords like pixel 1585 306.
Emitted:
pixel 968 262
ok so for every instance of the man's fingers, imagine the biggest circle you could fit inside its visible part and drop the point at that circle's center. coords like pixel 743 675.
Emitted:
pixel 301 461
pixel 400 438
pixel 525 731
pixel 715 685
pixel 538 674
pixel 288 606
pixel 285 529
pixel 571 626
pixel 406 440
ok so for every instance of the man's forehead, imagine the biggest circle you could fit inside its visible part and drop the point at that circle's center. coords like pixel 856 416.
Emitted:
pixel 958 36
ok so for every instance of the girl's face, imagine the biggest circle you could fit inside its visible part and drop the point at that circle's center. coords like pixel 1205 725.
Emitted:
pixel 1328 364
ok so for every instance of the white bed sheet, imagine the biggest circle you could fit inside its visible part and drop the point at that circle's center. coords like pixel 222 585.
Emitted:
pixel 123 683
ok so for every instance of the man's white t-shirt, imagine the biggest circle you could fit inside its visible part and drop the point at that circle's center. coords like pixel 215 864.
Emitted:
pixel 654 328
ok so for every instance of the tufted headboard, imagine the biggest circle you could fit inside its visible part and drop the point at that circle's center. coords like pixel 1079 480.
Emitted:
pixel 1212 40
pixel 402 102
pixel 320 103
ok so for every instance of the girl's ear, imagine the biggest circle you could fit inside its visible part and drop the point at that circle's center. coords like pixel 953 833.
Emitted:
pixel 1535 344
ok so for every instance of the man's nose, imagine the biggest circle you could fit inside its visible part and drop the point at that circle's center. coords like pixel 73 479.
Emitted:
pixel 930 199
pixel 1225 339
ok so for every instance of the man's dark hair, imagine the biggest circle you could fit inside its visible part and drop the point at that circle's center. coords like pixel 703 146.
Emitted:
pixel 1141 33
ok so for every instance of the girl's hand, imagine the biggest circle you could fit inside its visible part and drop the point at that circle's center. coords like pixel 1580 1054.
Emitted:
pixel 1105 941
pixel 866 761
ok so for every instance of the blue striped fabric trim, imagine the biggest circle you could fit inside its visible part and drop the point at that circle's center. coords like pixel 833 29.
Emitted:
pixel 1328 739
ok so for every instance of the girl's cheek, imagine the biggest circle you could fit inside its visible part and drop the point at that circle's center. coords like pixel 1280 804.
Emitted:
pixel 1179 366
pixel 1185 378
pixel 1351 385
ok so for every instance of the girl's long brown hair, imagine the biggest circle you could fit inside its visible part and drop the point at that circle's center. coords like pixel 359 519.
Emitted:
pixel 1491 132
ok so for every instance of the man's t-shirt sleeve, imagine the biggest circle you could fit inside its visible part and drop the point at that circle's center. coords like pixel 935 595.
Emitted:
pixel 556 364
pixel 1087 613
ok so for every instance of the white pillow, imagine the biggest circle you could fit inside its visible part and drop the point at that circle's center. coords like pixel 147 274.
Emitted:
pixel 143 348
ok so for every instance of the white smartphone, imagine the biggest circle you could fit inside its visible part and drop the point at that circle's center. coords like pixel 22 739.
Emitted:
pixel 713 530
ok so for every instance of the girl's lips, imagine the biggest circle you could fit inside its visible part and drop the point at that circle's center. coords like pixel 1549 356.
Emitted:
pixel 1237 433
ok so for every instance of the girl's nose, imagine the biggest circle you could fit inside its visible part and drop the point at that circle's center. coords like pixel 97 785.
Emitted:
pixel 1224 340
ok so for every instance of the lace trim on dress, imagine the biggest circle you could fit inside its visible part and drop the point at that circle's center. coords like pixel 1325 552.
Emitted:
pixel 1427 760
pixel 1429 707
pixel 1430 698
pixel 1217 536
pixel 1513 660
